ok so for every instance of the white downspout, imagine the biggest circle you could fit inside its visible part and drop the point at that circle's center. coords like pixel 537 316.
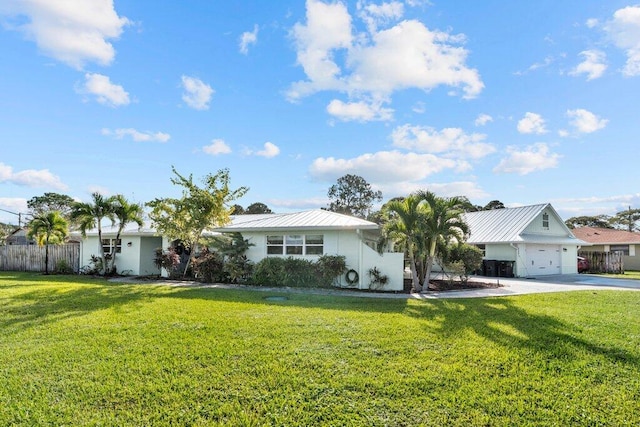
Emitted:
pixel 360 259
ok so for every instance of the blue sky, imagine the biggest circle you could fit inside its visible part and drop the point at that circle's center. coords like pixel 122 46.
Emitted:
pixel 486 99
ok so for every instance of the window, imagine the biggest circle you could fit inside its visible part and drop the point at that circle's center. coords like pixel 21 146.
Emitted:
pixel 275 245
pixel 109 244
pixel 295 244
pixel 620 248
pixel 545 221
pixel 314 244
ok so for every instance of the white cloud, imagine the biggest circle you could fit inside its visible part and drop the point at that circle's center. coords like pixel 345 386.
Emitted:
pixel 592 23
pixel 594 64
pixel 270 150
pixel 359 111
pixel 469 189
pixel 248 38
pixel 197 94
pixel 454 142
pixel 136 135
pixel 217 146
pixel 534 158
pixel 99 189
pixel 72 31
pixel 383 166
pixel 31 178
pixel 483 119
pixel 624 31
pixel 106 93
pixel 12 204
pixel 531 123
pixel 585 121
pixel 379 14
pixel 376 64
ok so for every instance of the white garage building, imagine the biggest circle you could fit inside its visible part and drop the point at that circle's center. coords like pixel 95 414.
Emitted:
pixel 528 241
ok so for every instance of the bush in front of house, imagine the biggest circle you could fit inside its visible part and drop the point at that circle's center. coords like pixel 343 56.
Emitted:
pixel 208 267
pixel 462 260
pixel 298 272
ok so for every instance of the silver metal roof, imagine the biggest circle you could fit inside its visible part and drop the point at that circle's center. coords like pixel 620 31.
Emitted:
pixel 313 219
pixel 508 226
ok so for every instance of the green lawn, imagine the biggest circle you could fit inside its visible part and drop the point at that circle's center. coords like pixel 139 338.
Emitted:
pixel 79 351
pixel 629 274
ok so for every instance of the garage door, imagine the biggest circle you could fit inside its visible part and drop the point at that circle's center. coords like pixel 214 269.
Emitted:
pixel 543 259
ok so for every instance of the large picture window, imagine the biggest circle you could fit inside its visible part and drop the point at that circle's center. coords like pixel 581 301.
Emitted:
pixel 295 244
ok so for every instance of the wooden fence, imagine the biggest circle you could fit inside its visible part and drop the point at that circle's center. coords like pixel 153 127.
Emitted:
pixel 604 262
pixel 31 257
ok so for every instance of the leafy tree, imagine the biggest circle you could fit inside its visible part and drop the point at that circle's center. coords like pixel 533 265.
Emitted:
pixel 627 219
pixel 90 215
pixel 237 210
pixel 199 209
pixel 494 204
pixel 352 195
pixel 49 228
pixel 50 202
pixel 468 206
pixel 258 208
pixel 468 256
pixel 403 223
pixel 598 221
pixel 124 213
pixel 443 226
pixel 5 230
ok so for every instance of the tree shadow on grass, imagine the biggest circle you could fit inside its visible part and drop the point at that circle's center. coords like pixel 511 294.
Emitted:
pixel 43 305
pixel 503 322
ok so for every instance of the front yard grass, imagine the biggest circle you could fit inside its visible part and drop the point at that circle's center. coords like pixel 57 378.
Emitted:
pixel 80 351
pixel 629 274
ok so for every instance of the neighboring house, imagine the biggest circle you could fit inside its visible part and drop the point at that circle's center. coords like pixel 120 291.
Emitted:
pixel 527 241
pixel 135 251
pixel 19 237
pixel 313 233
pixel 610 240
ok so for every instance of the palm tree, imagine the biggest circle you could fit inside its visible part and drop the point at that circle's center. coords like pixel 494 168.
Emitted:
pixel 90 215
pixel 49 228
pixel 443 225
pixel 124 213
pixel 405 219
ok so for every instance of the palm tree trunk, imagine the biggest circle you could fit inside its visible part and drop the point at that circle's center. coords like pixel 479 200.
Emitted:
pixel 430 257
pixel 46 256
pixel 414 272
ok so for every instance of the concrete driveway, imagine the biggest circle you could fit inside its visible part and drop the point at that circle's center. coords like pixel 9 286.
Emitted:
pixel 555 283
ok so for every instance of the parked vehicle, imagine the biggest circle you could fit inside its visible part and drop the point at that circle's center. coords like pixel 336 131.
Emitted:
pixel 583 264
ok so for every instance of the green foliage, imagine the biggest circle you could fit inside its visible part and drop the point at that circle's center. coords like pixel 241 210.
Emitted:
pixel 257 208
pixel 49 202
pixel 48 229
pixel 463 260
pixel 124 213
pixel 82 351
pixel 232 247
pixel 598 221
pixel 168 260
pixel 198 210
pixel 352 195
pixel 63 267
pixel 627 220
pixel 298 272
pixel 377 280
pixel 208 267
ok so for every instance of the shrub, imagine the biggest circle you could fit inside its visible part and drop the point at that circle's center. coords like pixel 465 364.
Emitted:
pixel 377 280
pixel 63 267
pixel 463 260
pixel 298 272
pixel 169 260
pixel 208 267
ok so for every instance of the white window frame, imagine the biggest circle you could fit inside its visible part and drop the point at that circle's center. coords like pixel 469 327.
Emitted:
pixel 108 245
pixel 295 244
pixel 545 221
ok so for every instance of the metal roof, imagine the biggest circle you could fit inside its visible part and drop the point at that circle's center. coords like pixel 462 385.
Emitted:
pixel 307 220
pixel 508 226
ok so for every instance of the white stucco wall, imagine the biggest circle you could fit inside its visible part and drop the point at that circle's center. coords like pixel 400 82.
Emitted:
pixel 347 243
pixel 135 259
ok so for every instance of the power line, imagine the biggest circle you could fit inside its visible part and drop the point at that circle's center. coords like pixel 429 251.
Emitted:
pixel 18 214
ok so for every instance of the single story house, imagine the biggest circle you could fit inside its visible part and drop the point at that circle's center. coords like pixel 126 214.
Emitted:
pixel 307 234
pixel 310 234
pixel 527 241
pixel 611 240
pixel 19 237
pixel 135 250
